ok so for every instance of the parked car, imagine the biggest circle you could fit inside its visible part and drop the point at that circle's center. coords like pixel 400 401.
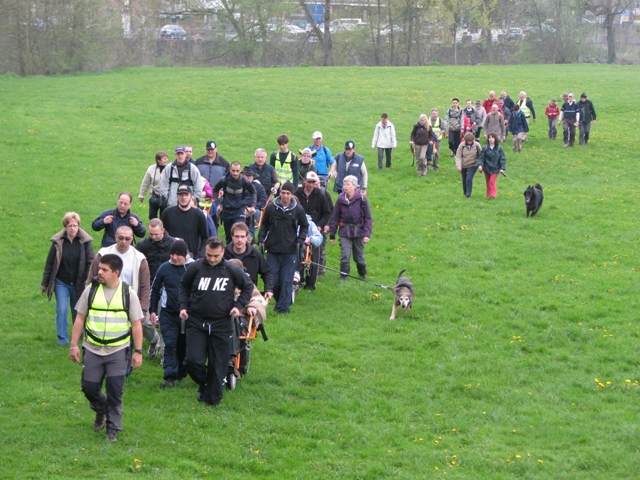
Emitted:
pixel 345 24
pixel 515 34
pixel 293 30
pixel 174 32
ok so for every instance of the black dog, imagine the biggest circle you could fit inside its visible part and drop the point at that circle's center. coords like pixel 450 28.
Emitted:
pixel 533 199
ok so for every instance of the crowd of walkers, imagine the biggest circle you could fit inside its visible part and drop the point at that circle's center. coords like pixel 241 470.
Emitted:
pixel 182 284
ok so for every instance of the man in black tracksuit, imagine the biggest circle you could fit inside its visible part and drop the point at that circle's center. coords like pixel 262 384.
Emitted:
pixel 207 300
pixel 238 198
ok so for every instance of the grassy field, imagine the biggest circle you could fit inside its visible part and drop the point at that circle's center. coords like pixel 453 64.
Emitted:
pixel 519 359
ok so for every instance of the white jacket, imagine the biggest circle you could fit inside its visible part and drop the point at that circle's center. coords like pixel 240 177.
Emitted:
pixel 384 137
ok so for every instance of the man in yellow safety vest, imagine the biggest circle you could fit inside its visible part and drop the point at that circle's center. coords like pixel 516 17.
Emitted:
pixel 109 313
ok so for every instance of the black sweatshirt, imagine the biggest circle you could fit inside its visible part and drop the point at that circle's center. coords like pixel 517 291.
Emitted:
pixel 206 292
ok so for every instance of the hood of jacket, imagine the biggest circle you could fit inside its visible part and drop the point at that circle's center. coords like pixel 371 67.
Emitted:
pixel 291 206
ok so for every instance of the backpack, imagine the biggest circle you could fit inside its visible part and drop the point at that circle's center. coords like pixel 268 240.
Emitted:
pixel 178 179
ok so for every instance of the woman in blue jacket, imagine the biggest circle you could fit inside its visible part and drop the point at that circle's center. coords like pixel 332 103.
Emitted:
pixel 519 127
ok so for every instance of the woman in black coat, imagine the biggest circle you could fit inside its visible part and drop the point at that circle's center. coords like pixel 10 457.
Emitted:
pixel 66 270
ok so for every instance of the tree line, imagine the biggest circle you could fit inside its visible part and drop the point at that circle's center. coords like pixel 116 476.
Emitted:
pixel 63 36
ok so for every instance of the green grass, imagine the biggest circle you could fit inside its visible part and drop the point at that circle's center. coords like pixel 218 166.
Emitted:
pixel 490 376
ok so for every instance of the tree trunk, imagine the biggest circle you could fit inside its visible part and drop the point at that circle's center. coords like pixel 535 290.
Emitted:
pixel 611 39
pixel 328 44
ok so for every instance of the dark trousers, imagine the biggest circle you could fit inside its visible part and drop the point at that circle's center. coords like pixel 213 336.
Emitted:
pixel 229 217
pixel 553 129
pixel 175 346
pixel 207 342
pixel 569 131
pixel 387 153
pixel 467 180
pixel 155 211
pixel 283 266
pixel 455 137
pixel 585 129
pixel 114 368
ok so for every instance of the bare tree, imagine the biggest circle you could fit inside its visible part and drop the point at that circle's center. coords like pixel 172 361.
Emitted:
pixel 456 10
pixel 486 12
pixel 608 9
pixel 323 35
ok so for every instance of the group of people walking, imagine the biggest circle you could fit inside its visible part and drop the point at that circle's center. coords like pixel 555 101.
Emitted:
pixel 494 118
pixel 182 277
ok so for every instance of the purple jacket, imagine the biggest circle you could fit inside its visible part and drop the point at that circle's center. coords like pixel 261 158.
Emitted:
pixel 353 217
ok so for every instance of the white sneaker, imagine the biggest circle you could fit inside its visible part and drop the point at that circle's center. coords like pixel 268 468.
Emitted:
pixel 296 277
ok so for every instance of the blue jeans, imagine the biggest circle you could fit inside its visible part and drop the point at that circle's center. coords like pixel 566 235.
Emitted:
pixel 65 298
pixel 175 346
pixel 283 266
pixel 467 180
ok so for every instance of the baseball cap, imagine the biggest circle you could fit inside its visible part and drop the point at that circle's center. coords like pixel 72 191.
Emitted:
pixel 184 188
pixel 180 149
pixel 349 145
pixel 316 134
pixel 478 102
pixel 211 145
pixel 584 95
pixel 312 177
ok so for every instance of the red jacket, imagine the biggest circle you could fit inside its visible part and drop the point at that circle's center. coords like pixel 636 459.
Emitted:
pixel 552 110
pixel 488 103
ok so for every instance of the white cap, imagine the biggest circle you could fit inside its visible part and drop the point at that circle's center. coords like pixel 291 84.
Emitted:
pixel 316 134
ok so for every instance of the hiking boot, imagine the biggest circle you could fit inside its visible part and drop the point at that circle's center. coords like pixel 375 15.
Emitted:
pixel 153 349
pixel 169 383
pixel 111 436
pixel 99 422
pixel 362 271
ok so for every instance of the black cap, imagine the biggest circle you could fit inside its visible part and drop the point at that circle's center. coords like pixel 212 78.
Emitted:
pixel 288 186
pixel 349 145
pixel 179 247
pixel 584 95
pixel 248 172
pixel 211 145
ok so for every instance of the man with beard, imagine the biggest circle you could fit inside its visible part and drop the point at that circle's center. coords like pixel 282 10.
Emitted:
pixel 207 303
pixel 494 123
pixel 238 198
pixel 187 222
pixel 180 172
pixel 109 314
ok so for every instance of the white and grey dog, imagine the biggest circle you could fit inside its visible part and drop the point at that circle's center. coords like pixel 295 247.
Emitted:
pixel 403 295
